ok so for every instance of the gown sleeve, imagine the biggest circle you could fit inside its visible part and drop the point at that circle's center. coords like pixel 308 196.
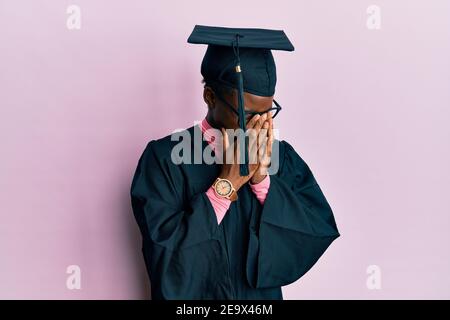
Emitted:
pixel 177 233
pixel 294 227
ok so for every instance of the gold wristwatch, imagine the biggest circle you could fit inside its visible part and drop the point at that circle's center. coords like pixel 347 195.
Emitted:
pixel 224 188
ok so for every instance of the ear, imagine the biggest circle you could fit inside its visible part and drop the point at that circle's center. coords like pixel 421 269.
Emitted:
pixel 209 97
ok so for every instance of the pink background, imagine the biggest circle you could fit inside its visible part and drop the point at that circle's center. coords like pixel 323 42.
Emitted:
pixel 368 110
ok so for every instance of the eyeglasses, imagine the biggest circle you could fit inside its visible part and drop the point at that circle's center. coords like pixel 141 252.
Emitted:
pixel 250 114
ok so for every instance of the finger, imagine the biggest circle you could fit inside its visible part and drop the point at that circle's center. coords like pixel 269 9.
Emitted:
pixel 256 131
pixel 270 140
pixel 252 121
pixel 225 144
pixel 263 134
pixel 259 123
pixel 252 138
pixel 266 126
pixel 253 148
pixel 260 151
pixel 252 133
pixel 263 139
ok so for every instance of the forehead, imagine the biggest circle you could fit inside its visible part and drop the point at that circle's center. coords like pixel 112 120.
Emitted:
pixel 256 103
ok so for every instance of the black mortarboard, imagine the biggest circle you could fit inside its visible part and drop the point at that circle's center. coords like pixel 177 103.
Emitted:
pixel 241 58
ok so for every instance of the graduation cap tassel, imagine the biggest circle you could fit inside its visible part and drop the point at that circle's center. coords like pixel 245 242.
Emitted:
pixel 243 168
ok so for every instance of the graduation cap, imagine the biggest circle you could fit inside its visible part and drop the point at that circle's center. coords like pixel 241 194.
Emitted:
pixel 240 58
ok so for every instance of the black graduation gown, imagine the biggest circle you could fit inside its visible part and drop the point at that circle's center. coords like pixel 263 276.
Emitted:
pixel 256 248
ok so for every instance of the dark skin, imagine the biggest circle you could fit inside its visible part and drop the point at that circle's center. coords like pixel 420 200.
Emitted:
pixel 221 117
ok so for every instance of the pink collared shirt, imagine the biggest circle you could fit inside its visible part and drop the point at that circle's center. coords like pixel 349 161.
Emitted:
pixel 221 205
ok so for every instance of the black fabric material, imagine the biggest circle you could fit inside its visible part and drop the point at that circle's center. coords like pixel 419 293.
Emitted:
pixel 253 252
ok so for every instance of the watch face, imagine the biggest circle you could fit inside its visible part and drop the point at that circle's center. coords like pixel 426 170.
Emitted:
pixel 223 188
